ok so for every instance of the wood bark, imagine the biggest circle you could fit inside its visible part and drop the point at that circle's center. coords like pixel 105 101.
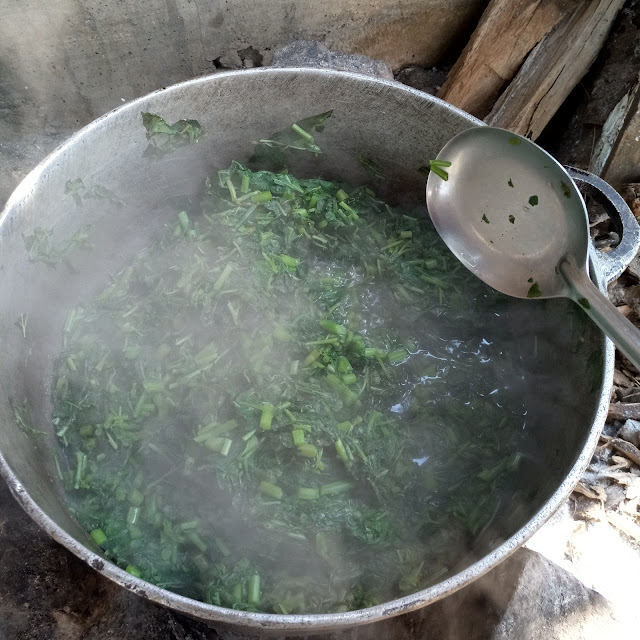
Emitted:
pixel 624 411
pixel 554 67
pixel 622 165
pixel 611 147
pixel 506 33
pixel 628 450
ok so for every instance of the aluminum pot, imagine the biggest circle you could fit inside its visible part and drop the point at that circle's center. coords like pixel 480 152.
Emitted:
pixel 398 127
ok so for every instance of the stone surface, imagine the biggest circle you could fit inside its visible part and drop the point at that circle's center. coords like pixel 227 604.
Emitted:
pixel 630 432
pixel 64 63
pixel 427 80
pixel 548 603
pixel 309 53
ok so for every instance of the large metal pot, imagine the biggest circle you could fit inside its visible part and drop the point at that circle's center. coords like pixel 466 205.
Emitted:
pixel 397 126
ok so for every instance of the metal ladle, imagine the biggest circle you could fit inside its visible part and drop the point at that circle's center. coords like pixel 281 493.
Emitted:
pixel 513 216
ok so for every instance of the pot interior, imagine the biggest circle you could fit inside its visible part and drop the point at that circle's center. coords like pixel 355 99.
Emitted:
pixel 559 352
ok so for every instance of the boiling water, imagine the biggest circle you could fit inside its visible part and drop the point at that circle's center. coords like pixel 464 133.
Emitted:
pixel 288 410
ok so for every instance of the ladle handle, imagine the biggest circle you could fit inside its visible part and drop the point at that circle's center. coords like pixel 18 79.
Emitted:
pixel 624 334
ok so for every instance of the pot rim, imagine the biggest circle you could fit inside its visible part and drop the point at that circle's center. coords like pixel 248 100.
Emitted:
pixel 302 622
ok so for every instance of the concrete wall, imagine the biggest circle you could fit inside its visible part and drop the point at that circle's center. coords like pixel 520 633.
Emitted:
pixel 65 62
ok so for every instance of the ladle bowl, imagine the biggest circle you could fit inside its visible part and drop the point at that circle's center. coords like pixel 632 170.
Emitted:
pixel 512 214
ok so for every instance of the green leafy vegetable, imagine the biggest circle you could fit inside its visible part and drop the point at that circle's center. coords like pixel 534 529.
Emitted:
pixel 77 190
pixel 41 246
pixel 74 188
pixel 534 291
pixel 371 167
pixel 165 138
pixel 438 167
pixel 20 414
pixel 269 153
pixel 274 406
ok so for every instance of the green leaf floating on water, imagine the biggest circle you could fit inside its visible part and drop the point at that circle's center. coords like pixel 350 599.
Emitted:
pixel 534 291
pixel 42 247
pixel 78 190
pixel 155 124
pixel 74 188
pixel 269 153
pixel 371 167
pixel 21 417
pixel 165 138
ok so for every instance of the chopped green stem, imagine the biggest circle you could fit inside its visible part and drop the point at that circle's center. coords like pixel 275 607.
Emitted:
pixel 341 451
pixel 347 395
pixel 335 488
pixel 271 490
pixel 290 262
pixel 312 357
pixel 281 334
pixel 253 595
pixel 136 498
pixel 308 493
pixel 334 328
pixel 262 196
pixel 219 445
pixel 232 190
pixel 437 167
pixel 98 536
pixel 267 416
pixel 349 378
pixel 222 278
pixel 196 541
pixel 183 219
pixel 312 343
pixel 397 356
pixel 345 426
pixel 132 515
pixel 308 450
pixel 81 461
pixel 302 133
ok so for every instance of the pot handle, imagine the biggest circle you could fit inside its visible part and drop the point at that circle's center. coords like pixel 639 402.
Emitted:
pixel 614 262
